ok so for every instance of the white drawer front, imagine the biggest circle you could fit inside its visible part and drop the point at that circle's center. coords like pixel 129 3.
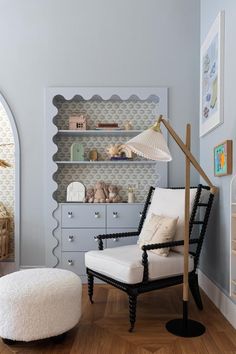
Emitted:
pixel 124 241
pixel 80 239
pixel 82 215
pixel 124 216
pixel 74 261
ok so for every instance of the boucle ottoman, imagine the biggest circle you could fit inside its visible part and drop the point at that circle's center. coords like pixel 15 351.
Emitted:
pixel 39 303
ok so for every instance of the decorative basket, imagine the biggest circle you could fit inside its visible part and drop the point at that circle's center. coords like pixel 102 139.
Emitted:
pixel 4 237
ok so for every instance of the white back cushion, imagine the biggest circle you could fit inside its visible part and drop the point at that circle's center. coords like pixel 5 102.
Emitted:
pixel 171 202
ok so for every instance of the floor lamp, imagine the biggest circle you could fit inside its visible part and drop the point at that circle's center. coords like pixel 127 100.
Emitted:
pixel 152 145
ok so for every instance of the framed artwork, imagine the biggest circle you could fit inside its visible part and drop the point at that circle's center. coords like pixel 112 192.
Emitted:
pixel 211 77
pixel 223 159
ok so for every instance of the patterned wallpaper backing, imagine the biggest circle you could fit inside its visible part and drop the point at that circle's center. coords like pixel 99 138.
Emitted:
pixel 141 114
pixel 7 175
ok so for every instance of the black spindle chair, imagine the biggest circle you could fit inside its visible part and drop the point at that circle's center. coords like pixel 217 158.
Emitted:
pixel 200 209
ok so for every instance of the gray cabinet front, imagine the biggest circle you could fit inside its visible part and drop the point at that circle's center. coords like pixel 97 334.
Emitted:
pixel 83 215
pixel 124 241
pixel 81 222
pixel 74 261
pixel 80 239
pixel 124 215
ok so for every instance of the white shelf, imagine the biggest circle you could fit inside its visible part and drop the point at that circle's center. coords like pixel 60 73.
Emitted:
pixel 99 132
pixel 122 203
pixel 108 162
pixel 233 203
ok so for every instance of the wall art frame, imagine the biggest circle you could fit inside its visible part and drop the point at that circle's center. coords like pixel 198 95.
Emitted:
pixel 223 158
pixel 211 77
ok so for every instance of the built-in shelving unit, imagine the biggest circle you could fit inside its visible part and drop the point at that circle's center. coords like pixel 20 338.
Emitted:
pixel 137 106
pixel 233 238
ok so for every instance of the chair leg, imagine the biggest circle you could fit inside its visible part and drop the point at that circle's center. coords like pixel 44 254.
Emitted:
pixel 194 287
pixel 132 311
pixel 90 287
pixel 8 341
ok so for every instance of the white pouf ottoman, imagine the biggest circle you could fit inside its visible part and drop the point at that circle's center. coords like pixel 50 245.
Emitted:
pixel 39 303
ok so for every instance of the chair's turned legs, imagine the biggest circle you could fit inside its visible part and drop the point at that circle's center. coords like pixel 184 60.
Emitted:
pixel 132 311
pixel 8 341
pixel 90 287
pixel 194 287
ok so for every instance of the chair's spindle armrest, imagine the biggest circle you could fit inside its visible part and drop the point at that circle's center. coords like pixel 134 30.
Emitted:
pixel 145 265
pixel 156 246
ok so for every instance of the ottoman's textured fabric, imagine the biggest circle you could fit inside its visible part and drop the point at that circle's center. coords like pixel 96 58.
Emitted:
pixel 39 303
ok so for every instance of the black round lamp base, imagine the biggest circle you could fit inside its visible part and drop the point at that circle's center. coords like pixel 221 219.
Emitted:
pixel 187 328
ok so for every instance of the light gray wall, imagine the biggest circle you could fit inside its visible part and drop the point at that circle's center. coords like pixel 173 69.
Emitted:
pixel 216 252
pixel 93 43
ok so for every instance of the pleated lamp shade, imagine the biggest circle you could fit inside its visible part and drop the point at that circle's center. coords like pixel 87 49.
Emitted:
pixel 150 144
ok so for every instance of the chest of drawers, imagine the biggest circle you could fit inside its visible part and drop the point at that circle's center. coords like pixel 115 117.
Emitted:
pixel 79 223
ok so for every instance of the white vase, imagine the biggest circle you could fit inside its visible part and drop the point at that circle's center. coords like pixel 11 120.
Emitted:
pixel 131 197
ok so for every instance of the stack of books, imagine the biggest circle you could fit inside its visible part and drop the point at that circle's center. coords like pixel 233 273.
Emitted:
pixel 109 126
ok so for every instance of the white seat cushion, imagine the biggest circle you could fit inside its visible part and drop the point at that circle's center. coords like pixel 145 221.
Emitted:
pixel 171 202
pixel 125 264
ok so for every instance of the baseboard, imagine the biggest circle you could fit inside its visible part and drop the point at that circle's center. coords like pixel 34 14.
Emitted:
pixel 226 306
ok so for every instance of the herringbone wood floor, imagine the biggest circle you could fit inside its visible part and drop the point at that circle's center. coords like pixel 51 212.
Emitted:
pixel 103 328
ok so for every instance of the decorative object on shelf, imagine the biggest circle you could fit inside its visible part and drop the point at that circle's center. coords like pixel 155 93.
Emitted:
pixel 77 122
pixel 101 193
pixel 89 197
pixel 113 196
pixel 3 211
pixel 223 159
pixel 119 152
pixel 211 77
pixel 131 195
pixel 4 236
pixel 93 155
pixel 4 164
pixel 77 152
pixel 108 126
pixel 152 145
pixel 113 151
pixel 75 192
pixel 128 126
pixel 125 152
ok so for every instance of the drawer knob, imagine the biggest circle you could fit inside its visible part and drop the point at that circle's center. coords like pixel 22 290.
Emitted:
pixel 115 239
pixel 140 214
pixel 70 262
pixel 70 214
pixel 96 214
pixel 115 214
pixel 71 238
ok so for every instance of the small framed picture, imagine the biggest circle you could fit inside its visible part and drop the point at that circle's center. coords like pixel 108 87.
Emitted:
pixel 223 159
